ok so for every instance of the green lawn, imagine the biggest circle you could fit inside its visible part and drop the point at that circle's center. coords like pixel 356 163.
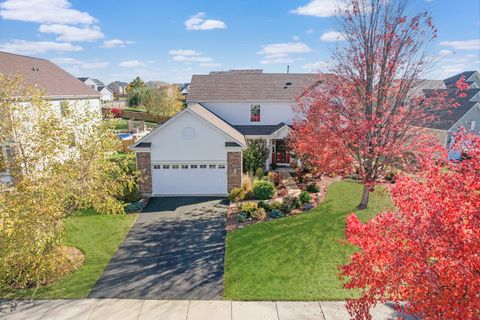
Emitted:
pixel 297 258
pixel 98 237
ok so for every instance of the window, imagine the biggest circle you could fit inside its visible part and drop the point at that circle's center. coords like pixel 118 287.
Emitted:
pixel 255 113
pixel 472 125
pixel 203 166
pixel 221 166
pixel 212 166
pixel 175 166
pixel 193 166
pixel 156 166
pixel 166 166
pixel 184 166
pixel 3 160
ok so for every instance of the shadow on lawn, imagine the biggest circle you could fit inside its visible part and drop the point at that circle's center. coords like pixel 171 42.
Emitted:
pixel 175 250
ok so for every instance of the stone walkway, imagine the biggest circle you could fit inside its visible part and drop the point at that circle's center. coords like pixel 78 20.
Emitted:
pixel 127 309
pixel 290 183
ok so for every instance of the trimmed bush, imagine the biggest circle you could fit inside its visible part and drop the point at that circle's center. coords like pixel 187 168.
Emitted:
pixel 276 205
pixel 259 173
pixel 289 203
pixel 249 207
pixel 312 188
pixel 236 195
pixel 134 206
pixel 242 217
pixel 263 190
pixel 275 214
pixel 259 214
pixel 265 205
pixel 304 197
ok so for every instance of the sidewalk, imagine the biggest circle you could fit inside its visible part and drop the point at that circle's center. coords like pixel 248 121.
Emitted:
pixel 118 309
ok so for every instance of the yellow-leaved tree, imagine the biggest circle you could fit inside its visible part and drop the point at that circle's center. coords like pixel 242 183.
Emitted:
pixel 60 157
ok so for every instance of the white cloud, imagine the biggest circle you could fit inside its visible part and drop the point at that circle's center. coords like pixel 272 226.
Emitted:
pixel 184 52
pixel 131 64
pixel 310 31
pixel 75 64
pixel 70 33
pixel 36 47
pixel 447 65
pixel 445 53
pixel 95 65
pixel 197 22
pixel 462 45
pixel 332 36
pixel 316 66
pixel 189 56
pixel 115 43
pixel 44 11
pixel 296 38
pixel 282 52
pixel 320 8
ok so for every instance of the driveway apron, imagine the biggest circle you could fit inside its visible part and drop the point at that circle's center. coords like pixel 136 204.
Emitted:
pixel 175 250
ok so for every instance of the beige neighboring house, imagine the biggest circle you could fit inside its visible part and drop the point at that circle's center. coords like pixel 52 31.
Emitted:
pixel 57 84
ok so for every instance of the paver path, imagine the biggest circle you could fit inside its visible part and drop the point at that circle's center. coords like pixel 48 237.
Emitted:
pixel 127 309
pixel 175 250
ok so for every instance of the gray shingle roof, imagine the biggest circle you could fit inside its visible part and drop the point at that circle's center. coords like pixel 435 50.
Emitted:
pixel 49 77
pixel 256 86
pixel 258 130
pixel 450 82
pixel 446 118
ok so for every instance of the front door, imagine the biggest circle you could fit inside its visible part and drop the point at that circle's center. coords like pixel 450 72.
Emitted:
pixel 281 153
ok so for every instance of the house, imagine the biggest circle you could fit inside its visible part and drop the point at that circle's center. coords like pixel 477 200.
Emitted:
pixel 118 88
pixel 466 115
pixel 199 150
pixel 58 86
pixel 105 92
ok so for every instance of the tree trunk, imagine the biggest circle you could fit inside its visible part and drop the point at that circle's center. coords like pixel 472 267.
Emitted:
pixel 366 194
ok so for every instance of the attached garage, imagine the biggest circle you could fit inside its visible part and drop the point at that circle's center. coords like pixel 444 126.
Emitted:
pixel 193 153
pixel 189 178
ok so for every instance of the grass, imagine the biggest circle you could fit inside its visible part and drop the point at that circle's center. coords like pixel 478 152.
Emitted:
pixel 98 237
pixel 297 258
pixel 121 125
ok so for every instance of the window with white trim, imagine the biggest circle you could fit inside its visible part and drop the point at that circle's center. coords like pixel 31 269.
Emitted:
pixel 255 113
pixel 473 123
pixel 212 166
pixel 156 166
pixel 193 166
pixel 203 166
pixel 221 166
pixel 184 166
pixel 166 166
pixel 175 166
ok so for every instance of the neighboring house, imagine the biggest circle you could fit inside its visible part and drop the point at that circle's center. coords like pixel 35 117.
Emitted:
pixel 57 85
pixel 199 150
pixel 466 115
pixel 105 92
pixel 183 87
pixel 118 88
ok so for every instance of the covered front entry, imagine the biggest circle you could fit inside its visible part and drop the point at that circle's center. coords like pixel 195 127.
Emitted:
pixel 280 152
pixel 189 178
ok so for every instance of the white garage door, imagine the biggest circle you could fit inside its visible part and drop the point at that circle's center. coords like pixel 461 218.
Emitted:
pixel 189 179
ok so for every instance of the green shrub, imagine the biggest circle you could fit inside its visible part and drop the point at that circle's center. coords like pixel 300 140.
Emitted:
pixel 312 187
pixel 275 214
pixel 276 205
pixel 255 155
pixel 134 206
pixel 263 190
pixel 304 197
pixel 259 214
pixel 236 195
pixel 242 217
pixel 290 203
pixel 259 173
pixel 265 205
pixel 248 207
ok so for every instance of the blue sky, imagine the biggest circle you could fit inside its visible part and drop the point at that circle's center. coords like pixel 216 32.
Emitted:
pixel 171 40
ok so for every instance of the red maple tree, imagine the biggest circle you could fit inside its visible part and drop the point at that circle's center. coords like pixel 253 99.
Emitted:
pixel 365 117
pixel 426 254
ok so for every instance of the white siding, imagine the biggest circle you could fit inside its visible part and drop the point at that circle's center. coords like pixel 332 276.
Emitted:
pixel 238 113
pixel 169 143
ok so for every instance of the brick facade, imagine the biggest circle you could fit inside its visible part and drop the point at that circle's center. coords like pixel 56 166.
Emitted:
pixel 234 170
pixel 144 164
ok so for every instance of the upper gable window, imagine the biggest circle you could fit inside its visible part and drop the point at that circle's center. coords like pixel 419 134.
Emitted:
pixel 255 113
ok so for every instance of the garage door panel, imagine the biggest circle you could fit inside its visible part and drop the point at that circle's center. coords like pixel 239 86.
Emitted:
pixel 193 179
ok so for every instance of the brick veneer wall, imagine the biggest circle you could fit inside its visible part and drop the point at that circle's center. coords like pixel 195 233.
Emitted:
pixel 234 170
pixel 144 164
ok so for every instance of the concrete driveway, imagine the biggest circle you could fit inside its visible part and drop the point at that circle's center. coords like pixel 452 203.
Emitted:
pixel 175 250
